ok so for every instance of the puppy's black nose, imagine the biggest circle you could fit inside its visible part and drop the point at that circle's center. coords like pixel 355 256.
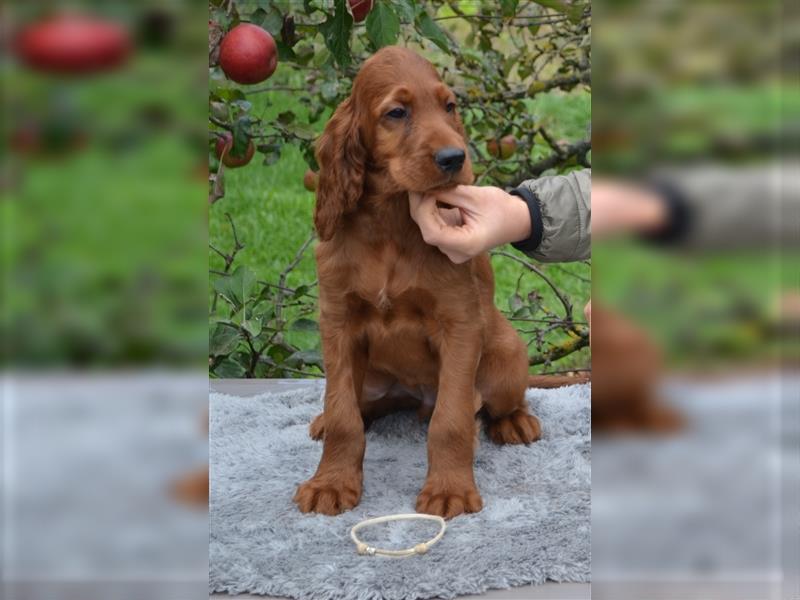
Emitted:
pixel 450 160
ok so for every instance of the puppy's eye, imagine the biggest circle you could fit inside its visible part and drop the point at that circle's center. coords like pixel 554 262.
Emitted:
pixel 451 106
pixel 397 113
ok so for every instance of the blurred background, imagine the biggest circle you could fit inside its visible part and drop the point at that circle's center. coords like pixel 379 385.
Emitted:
pixel 696 113
pixel 103 320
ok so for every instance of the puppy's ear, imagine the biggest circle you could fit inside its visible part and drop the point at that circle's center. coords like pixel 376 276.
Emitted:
pixel 341 156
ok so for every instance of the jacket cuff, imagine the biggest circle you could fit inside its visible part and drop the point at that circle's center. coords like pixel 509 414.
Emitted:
pixel 530 244
pixel 679 215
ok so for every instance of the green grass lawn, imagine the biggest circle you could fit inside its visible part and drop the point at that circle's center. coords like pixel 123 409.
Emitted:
pixel 273 214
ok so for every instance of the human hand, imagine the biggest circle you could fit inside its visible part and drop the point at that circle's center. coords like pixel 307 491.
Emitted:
pixel 620 207
pixel 481 218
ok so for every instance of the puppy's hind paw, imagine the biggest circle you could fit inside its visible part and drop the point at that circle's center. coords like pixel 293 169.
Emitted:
pixel 517 428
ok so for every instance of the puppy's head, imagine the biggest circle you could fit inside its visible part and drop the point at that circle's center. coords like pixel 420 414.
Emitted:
pixel 400 121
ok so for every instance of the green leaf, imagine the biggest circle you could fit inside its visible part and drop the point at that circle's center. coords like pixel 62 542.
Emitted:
pixel 241 136
pixel 515 303
pixel 302 131
pixel 305 357
pixel 321 57
pixel 305 325
pixel 383 25
pixel 252 326
pixel 270 19
pixel 229 369
pixel 405 10
pixel 242 105
pixel 508 7
pixel 300 291
pixel 329 90
pixel 286 117
pixel 336 32
pixel 237 287
pixel 308 155
pixel 279 353
pixel 573 11
pixel 223 340
pixel 271 152
pixel 521 313
pixel 231 94
pixel 285 52
pixel 429 29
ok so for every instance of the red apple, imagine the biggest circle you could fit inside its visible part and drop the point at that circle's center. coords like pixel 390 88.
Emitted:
pixel 310 180
pixel 360 9
pixel 225 144
pixel 504 148
pixel 248 54
pixel 72 44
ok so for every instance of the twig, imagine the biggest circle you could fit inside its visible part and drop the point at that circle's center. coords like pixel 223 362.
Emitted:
pixel 563 299
pixel 228 258
pixel 557 351
pixel 529 20
pixel 219 123
pixel 292 370
pixel 554 321
pixel 578 149
pixel 280 296
pixel 277 88
pixel 568 81
pixel 552 143
pixel 285 273
pixel 568 272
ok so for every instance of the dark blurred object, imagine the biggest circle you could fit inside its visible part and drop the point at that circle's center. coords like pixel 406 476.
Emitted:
pixel 73 44
pixel 626 370
pixel 156 28
pixel 192 489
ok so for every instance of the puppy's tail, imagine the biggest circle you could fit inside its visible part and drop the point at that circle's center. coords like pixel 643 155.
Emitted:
pixel 556 381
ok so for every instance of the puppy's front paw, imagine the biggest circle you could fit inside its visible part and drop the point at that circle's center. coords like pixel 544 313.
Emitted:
pixel 329 495
pixel 449 499
pixel 517 428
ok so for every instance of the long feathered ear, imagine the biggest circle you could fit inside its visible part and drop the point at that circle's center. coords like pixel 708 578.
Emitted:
pixel 341 156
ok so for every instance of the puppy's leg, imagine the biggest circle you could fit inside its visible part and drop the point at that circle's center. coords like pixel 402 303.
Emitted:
pixel 379 397
pixel 502 380
pixel 449 488
pixel 336 486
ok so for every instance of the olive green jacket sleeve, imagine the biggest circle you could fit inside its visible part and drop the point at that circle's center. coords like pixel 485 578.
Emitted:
pixel 561 217
pixel 714 207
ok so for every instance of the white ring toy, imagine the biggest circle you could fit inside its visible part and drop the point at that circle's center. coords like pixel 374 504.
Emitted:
pixel 422 548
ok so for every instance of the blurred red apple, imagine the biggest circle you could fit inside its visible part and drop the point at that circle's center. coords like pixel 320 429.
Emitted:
pixel 310 180
pixel 504 148
pixel 360 9
pixel 248 54
pixel 225 145
pixel 72 44
pixel 53 137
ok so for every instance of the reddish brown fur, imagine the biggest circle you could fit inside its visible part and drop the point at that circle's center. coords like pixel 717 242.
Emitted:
pixel 400 323
pixel 626 367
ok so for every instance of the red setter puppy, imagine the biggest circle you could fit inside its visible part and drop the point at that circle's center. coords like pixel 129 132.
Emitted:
pixel 401 325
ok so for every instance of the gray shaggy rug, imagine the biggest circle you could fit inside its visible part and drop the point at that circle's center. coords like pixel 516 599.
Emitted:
pixel 534 527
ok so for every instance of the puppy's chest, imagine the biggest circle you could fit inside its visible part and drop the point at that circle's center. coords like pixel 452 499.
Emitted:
pixel 391 286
